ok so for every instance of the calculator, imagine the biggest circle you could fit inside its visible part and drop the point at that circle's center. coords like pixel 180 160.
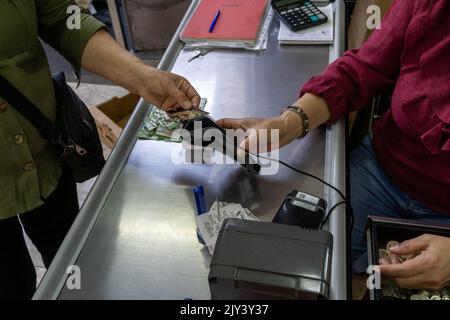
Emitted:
pixel 299 14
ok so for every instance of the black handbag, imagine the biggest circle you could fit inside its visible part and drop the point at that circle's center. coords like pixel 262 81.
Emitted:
pixel 74 131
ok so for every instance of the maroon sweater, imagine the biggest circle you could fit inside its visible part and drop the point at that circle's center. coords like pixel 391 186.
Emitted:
pixel 411 52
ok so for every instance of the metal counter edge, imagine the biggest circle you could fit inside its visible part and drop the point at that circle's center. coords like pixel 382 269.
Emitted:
pixel 335 174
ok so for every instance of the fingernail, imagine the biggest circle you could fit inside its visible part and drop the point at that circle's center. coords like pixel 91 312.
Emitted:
pixel 187 104
pixel 394 247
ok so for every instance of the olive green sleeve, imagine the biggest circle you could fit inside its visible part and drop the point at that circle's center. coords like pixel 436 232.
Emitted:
pixel 57 23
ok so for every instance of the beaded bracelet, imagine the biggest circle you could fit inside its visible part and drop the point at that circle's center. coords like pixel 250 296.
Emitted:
pixel 303 116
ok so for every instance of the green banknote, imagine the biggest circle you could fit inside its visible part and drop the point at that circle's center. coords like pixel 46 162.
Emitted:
pixel 159 125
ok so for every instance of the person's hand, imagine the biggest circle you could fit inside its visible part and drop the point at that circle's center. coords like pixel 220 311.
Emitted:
pixel 428 270
pixel 289 125
pixel 103 56
pixel 167 90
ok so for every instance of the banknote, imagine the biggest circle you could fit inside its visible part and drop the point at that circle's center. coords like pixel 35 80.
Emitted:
pixel 163 125
pixel 184 115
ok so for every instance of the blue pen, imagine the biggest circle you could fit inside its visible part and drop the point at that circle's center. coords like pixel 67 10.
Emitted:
pixel 213 24
pixel 200 202
pixel 199 194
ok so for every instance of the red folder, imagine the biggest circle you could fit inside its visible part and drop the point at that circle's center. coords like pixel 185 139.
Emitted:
pixel 239 20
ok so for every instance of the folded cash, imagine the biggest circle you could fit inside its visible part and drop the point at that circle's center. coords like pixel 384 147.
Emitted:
pixel 161 125
pixel 184 115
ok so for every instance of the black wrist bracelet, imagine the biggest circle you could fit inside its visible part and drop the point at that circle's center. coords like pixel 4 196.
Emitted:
pixel 303 116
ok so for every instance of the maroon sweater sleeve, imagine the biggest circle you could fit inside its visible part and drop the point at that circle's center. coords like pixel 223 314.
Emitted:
pixel 359 75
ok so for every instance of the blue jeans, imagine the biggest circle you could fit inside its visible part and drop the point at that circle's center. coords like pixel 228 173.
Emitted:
pixel 373 193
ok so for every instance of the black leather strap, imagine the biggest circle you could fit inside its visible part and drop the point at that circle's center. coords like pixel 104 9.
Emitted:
pixel 28 110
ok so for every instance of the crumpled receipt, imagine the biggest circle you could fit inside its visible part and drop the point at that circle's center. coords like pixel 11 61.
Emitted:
pixel 209 223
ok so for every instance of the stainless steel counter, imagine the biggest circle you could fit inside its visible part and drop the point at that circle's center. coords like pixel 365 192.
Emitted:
pixel 135 236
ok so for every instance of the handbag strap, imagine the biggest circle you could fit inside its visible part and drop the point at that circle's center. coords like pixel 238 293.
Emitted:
pixel 28 110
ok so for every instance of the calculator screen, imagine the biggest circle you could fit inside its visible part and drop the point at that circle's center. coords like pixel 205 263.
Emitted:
pixel 283 3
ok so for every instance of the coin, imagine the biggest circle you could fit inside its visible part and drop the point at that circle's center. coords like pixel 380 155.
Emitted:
pixel 383 254
pixel 424 293
pixel 434 292
pixel 387 291
pixel 445 291
pixel 391 244
pixel 418 297
pixel 400 293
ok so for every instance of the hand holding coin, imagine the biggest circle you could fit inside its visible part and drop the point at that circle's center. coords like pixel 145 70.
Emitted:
pixel 429 269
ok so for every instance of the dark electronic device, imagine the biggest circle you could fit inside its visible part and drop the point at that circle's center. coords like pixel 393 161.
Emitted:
pixel 301 209
pixel 381 230
pixel 262 260
pixel 298 14
pixel 207 123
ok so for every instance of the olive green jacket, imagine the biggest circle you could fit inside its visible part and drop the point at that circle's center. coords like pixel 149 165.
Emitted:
pixel 29 168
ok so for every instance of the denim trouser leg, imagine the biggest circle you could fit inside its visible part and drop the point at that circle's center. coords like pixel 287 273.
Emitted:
pixel 373 193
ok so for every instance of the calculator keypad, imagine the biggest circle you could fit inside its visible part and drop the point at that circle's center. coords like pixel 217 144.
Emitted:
pixel 303 15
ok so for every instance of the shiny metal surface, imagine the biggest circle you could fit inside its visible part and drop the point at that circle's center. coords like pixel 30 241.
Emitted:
pixel 143 244
pixel 335 174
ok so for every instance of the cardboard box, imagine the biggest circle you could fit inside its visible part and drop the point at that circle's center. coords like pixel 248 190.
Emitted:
pixel 358 31
pixel 112 116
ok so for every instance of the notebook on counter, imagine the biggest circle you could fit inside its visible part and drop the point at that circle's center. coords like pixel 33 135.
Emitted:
pixel 239 20
pixel 321 34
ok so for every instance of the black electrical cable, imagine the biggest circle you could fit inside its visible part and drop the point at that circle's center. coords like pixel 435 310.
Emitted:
pixel 314 177
pixel 301 172
pixel 322 181
pixel 329 185
pixel 330 212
